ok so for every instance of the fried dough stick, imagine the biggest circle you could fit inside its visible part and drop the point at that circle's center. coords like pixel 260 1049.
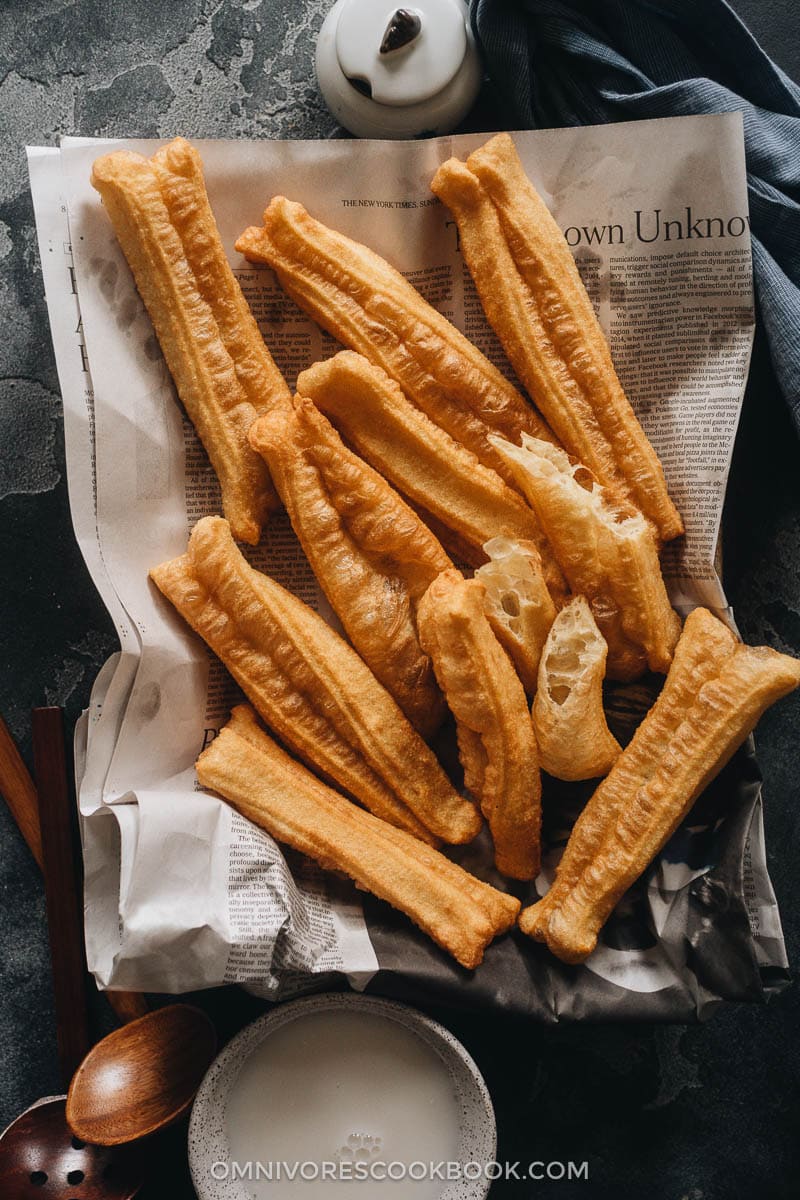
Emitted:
pixel 264 784
pixel 535 300
pixel 519 607
pixel 423 462
pixel 223 371
pixel 367 305
pixel 608 553
pixel 656 781
pixel 704 647
pixel 496 743
pixel 311 687
pixel 725 710
pixel 568 719
pixel 371 553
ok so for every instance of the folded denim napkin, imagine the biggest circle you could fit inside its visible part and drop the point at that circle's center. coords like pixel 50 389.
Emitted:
pixel 581 62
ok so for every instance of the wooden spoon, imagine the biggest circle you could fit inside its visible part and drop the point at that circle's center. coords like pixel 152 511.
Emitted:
pixel 62 895
pixel 41 1159
pixel 19 792
pixel 39 1155
pixel 141 1077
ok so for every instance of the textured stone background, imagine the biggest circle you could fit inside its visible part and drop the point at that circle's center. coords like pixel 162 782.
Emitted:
pixel 699 1113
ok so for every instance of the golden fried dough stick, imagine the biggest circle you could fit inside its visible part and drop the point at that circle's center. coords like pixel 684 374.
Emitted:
pixel 517 603
pixel 705 645
pixel 224 373
pixel 723 713
pixel 180 173
pixel 245 766
pixel 571 732
pixel 495 903
pixel 367 305
pixel 495 735
pixel 371 553
pixel 420 459
pixel 534 298
pixel 459 549
pixel 608 553
pixel 311 687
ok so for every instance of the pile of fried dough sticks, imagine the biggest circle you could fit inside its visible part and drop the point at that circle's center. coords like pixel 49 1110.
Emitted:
pixel 400 455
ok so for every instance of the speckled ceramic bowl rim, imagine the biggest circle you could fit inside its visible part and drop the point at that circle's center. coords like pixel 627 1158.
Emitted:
pixel 208 1140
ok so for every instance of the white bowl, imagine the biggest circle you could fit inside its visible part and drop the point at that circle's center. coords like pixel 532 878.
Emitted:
pixel 212 1141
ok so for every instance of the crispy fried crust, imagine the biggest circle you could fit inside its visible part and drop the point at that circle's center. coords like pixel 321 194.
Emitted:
pixel 420 459
pixel 262 782
pixel 224 373
pixel 608 553
pixel 571 732
pixel 371 553
pixel 714 695
pixel 495 735
pixel 368 305
pixel 534 298
pixel 311 687
pixel 704 647
pixel 457 546
pixel 517 603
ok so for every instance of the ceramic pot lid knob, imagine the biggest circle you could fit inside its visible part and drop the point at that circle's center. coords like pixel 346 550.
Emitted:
pixel 398 71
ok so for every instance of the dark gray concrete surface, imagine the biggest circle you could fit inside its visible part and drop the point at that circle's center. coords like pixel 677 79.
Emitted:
pixel 699 1113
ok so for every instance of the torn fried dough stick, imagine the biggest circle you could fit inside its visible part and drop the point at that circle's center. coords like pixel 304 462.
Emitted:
pixel 608 553
pixel 534 298
pixel 367 305
pixel 495 735
pixel 723 713
pixel 422 461
pixel 517 603
pixel 704 647
pixel 372 555
pixel 224 373
pixel 568 719
pixel 311 687
pixel 264 784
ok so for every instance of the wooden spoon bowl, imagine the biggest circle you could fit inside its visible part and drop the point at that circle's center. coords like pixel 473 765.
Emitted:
pixel 141 1077
pixel 42 1159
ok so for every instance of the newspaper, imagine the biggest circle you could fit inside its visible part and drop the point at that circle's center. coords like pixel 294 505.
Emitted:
pixel 181 892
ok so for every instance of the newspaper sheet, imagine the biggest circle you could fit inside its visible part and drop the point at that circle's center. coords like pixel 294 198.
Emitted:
pixel 181 892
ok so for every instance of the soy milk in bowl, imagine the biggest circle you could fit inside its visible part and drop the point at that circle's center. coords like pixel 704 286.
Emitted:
pixel 345 1096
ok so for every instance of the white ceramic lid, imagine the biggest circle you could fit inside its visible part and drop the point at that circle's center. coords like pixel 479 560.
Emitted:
pixel 412 73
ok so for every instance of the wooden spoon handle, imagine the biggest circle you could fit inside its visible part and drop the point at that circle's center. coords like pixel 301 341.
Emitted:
pixel 19 793
pixel 128 1006
pixel 64 917
pixel 18 790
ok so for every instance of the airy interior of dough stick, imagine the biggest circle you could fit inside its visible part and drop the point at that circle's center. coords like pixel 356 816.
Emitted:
pixel 608 553
pixel 568 719
pixel 518 605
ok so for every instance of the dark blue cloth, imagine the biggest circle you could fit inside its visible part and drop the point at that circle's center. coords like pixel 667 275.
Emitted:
pixel 581 62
